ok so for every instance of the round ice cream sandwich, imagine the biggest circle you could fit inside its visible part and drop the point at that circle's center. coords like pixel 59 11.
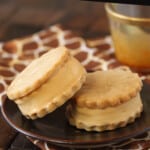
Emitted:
pixel 107 100
pixel 47 83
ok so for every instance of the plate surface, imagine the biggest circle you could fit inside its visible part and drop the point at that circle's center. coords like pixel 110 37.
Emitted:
pixel 54 128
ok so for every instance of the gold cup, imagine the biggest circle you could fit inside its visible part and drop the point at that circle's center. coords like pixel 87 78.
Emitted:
pixel 130 30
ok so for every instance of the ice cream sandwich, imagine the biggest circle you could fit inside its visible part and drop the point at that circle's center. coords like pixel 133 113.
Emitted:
pixel 47 83
pixel 107 100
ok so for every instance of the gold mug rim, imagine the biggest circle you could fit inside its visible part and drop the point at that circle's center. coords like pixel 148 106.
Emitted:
pixel 123 18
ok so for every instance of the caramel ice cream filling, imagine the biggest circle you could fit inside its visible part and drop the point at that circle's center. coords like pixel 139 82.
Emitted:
pixel 105 117
pixel 55 91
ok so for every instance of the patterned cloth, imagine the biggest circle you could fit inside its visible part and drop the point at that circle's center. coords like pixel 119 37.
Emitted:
pixel 94 54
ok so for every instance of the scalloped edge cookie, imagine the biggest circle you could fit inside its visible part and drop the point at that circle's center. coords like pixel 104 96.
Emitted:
pixel 109 88
pixel 62 83
pixel 55 92
pixel 37 72
pixel 107 100
pixel 104 119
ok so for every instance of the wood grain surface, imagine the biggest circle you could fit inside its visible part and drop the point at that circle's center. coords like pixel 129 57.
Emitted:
pixel 22 17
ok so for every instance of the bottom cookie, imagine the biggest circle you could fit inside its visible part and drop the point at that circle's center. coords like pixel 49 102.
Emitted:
pixel 104 119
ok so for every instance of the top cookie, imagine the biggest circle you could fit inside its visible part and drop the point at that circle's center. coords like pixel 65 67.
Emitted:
pixel 37 72
pixel 104 89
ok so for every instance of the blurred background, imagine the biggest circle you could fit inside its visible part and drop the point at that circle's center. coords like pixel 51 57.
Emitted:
pixel 23 17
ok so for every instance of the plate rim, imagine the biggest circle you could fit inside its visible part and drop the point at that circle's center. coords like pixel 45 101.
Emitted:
pixel 64 142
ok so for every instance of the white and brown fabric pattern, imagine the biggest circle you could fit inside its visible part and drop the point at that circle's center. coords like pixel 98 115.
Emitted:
pixel 96 54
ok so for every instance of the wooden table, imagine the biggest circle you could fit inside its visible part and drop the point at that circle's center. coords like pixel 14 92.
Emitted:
pixel 19 18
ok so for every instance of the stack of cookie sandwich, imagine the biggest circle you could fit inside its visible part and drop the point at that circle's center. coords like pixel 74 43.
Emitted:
pixel 47 83
pixel 101 100
pixel 107 100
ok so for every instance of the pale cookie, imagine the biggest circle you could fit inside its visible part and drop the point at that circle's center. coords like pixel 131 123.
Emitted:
pixel 55 92
pixel 63 81
pixel 105 119
pixel 108 88
pixel 37 73
pixel 107 100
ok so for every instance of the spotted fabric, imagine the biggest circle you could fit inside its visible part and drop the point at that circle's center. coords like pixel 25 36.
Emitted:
pixel 94 54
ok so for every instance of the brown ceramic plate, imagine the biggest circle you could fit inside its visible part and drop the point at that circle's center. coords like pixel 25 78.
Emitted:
pixel 55 129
